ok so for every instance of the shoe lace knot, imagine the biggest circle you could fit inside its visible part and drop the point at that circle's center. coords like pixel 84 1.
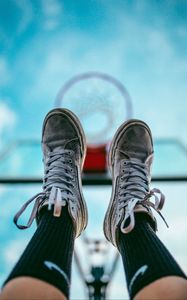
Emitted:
pixel 134 190
pixel 58 186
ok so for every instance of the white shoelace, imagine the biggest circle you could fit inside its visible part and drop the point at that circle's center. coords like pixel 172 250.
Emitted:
pixel 133 190
pixel 57 186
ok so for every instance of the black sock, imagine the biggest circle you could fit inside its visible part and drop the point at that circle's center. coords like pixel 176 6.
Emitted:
pixel 144 256
pixel 48 256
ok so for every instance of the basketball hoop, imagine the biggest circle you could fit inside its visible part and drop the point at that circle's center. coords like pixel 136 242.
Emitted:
pixel 102 103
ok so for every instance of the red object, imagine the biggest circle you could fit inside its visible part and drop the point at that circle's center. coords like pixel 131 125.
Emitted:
pixel 95 161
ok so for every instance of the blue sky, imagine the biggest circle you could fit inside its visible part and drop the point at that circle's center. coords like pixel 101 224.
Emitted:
pixel 141 43
pixel 44 43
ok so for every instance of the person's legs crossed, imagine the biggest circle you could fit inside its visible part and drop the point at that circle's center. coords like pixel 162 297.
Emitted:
pixel 129 223
pixel 44 269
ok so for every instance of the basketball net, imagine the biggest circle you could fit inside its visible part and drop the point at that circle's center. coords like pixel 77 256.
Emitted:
pixel 102 103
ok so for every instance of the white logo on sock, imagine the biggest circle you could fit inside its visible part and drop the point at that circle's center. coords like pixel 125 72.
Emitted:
pixel 140 271
pixel 51 266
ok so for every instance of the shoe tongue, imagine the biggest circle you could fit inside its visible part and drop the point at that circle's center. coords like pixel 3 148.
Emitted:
pixel 58 148
pixel 134 156
pixel 60 144
pixel 136 159
pixel 64 145
pixel 139 156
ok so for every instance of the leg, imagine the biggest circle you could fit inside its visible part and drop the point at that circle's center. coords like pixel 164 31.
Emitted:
pixel 129 223
pixel 44 269
pixel 30 288
pixel 170 288
pixel 47 257
pixel 150 269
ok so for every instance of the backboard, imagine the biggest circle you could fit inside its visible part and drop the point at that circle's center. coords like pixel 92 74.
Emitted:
pixel 15 167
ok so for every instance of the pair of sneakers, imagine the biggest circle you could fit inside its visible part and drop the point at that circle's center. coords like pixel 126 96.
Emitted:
pixel 130 159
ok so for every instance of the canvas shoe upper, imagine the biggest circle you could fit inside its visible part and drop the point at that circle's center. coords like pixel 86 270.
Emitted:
pixel 130 160
pixel 64 150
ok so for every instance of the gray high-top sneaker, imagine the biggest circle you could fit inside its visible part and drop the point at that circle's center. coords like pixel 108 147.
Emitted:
pixel 130 159
pixel 64 150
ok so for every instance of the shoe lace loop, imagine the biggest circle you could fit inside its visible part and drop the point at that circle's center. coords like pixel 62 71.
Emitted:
pixel 133 190
pixel 57 186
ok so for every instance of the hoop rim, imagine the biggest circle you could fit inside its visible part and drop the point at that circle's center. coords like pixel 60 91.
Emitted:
pixel 96 74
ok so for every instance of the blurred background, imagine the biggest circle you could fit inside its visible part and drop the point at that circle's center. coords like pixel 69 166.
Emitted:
pixel 43 43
